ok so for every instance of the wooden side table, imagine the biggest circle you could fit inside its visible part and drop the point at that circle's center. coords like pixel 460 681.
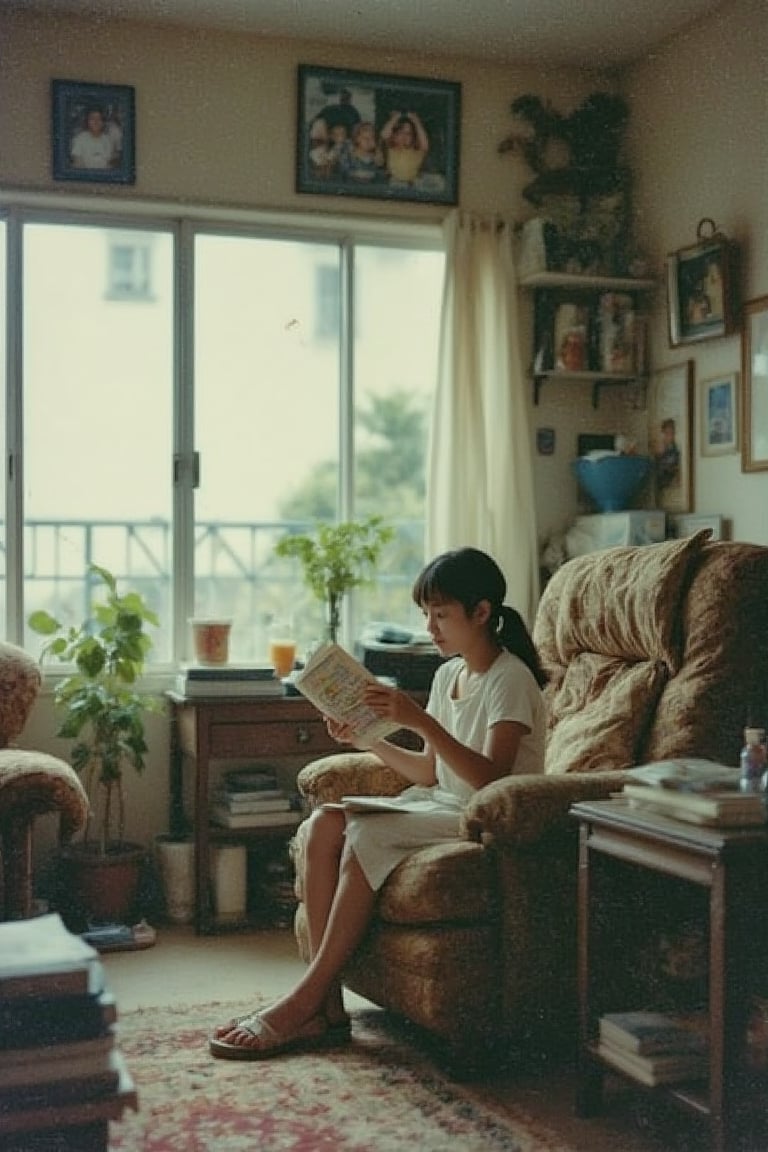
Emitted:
pixel 731 867
pixel 285 731
pixel 282 730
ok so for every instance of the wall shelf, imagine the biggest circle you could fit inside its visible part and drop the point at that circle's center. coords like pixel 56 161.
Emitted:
pixel 578 281
pixel 585 294
pixel 599 380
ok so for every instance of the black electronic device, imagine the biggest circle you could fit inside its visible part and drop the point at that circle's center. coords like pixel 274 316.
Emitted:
pixel 411 665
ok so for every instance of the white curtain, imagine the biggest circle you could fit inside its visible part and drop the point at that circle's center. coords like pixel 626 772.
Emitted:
pixel 480 475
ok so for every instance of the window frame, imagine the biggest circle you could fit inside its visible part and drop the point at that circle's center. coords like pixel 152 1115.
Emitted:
pixel 19 209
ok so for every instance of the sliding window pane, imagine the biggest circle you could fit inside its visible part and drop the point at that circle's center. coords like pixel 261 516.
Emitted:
pixel 98 402
pixel 3 426
pixel 266 426
pixel 397 318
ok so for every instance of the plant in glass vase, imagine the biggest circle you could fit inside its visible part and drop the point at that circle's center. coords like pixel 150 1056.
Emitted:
pixel 337 558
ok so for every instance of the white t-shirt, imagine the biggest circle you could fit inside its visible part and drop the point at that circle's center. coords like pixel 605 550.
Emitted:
pixel 507 691
pixel 432 815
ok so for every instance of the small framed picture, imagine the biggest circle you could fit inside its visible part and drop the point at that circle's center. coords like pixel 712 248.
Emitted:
pixel 94 132
pixel 670 436
pixel 702 300
pixel 718 415
pixel 754 386
pixel 388 137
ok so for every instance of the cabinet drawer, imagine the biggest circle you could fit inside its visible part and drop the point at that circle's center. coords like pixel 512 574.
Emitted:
pixel 278 738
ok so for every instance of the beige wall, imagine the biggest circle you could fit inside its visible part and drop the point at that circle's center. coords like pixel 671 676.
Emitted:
pixel 216 125
pixel 700 147
pixel 216 112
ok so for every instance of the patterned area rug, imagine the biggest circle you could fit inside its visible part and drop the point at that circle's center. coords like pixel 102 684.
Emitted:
pixel 377 1094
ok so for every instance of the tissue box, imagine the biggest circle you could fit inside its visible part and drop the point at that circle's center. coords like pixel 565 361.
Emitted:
pixel 615 529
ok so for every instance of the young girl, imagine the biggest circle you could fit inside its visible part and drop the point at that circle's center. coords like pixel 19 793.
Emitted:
pixel 484 719
pixel 406 145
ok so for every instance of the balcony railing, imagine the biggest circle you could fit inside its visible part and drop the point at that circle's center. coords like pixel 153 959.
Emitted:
pixel 236 572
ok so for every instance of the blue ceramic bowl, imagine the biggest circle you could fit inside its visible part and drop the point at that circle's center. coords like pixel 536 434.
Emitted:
pixel 611 481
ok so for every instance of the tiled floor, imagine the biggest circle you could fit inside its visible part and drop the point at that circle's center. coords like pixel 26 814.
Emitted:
pixel 185 968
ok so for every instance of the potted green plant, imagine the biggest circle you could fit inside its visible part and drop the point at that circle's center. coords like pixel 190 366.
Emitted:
pixel 103 712
pixel 337 558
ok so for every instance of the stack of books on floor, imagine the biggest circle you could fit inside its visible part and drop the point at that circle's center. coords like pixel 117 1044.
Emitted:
pixel 253 799
pixel 696 792
pixel 229 680
pixel 57 1021
pixel 656 1047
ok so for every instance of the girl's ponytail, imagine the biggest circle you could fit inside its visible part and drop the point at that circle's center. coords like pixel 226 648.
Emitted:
pixel 513 634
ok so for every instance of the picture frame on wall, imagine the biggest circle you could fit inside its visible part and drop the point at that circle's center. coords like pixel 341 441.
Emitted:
pixel 702 301
pixel 754 386
pixel 669 407
pixel 718 415
pixel 93 132
pixel 374 135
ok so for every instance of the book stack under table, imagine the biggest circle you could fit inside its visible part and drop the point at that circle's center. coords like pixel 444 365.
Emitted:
pixel 656 1047
pixel 253 799
pixel 60 1068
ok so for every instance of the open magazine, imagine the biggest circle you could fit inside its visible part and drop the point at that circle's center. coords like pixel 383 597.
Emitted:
pixel 334 682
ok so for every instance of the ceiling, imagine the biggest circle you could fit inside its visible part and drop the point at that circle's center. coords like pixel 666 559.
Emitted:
pixel 600 33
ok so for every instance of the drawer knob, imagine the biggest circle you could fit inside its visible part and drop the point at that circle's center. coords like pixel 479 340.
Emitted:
pixel 302 735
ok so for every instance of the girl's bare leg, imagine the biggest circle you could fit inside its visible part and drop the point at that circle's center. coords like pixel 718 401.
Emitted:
pixel 322 856
pixel 340 903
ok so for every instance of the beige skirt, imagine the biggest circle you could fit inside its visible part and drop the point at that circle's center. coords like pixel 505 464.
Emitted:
pixel 380 840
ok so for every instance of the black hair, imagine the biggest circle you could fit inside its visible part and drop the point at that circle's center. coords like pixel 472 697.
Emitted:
pixel 468 576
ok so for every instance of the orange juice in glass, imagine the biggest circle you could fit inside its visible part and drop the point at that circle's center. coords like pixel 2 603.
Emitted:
pixel 282 650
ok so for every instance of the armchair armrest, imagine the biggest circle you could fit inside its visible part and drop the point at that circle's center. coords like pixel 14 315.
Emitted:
pixel 347 773
pixel 520 809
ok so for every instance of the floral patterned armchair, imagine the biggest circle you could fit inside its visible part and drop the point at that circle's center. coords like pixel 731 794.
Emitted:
pixel 31 783
pixel 653 652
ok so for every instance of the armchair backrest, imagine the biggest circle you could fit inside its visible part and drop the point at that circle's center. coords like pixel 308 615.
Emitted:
pixel 722 683
pixel 20 680
pixel 653 652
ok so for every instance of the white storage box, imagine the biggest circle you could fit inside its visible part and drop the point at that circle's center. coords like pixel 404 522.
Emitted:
pixel 614 529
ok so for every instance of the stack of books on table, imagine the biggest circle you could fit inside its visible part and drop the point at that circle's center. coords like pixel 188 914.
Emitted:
pixel 717 808
pixel 229 680
pixel 57 1019
pixel 656 1047
pixel 695 791
pixel 252 799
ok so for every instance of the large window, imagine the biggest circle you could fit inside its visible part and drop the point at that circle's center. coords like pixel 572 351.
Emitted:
pixel 196 392
pixel 98 428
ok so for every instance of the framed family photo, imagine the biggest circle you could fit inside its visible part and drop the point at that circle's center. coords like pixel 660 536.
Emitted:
pixel 93 132
pixel 670 436
pixel 374 135
pixel 718 415
pixel 754 381
pixel 702 300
